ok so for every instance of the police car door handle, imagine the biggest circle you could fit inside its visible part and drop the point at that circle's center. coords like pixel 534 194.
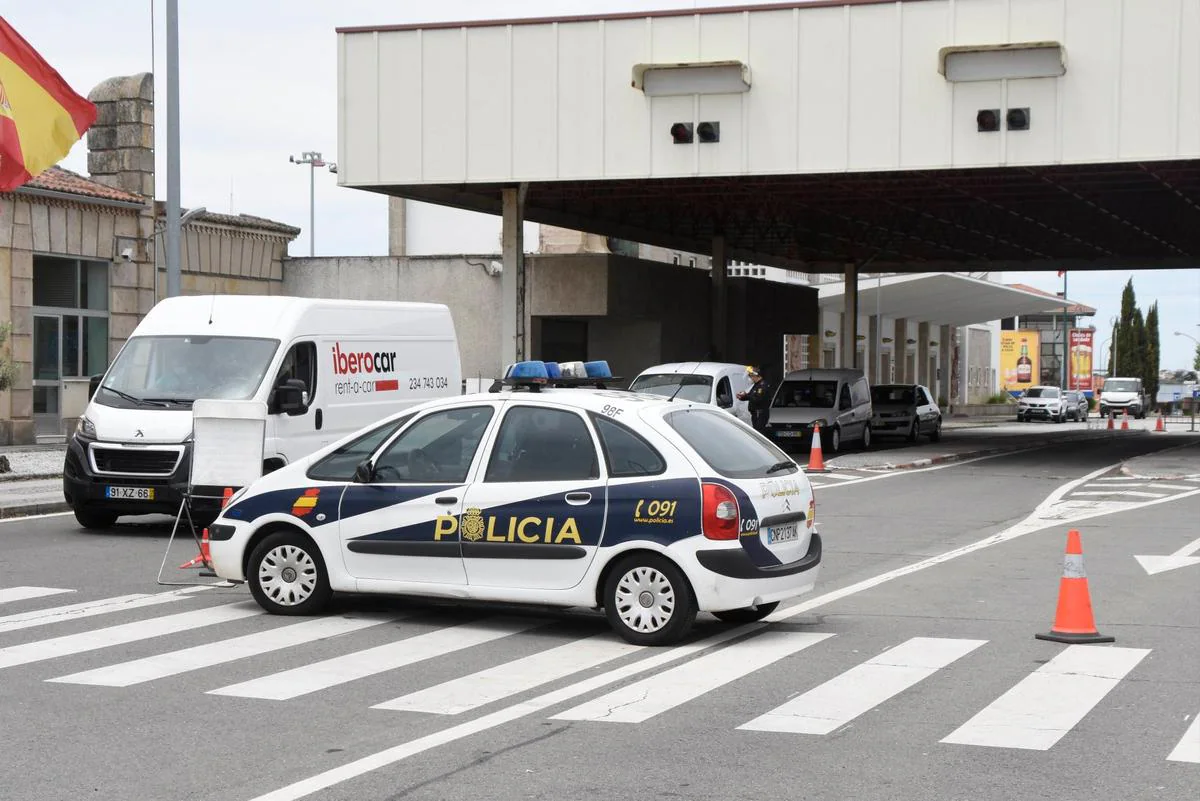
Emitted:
pixel 578 498
pixel 446 500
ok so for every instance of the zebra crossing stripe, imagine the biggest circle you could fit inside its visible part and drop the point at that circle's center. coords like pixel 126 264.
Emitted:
pixel 493 684
pixel 104 606
pixel 1045 705
pixel 645 699
pixel 328 673
pixel 1128 493
pixel 1174 486
pixel 1188 749
pixel 125 633
pixel 126 674
pixel 27 593
pixel 835 703
pixel 841 477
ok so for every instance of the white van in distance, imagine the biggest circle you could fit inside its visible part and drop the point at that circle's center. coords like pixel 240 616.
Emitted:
pixel 324 368
pixel 716 383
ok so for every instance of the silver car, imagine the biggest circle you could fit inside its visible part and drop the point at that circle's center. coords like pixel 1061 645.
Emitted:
pixel 1076 404
pixel 905 410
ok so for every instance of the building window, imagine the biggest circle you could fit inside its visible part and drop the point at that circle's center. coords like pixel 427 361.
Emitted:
pixel 675 258
pixel 692 261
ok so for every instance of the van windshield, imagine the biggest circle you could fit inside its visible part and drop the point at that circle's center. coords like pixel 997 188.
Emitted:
pixel 695 388
pixel 806 394
pixel 176 370
pixel 1120 385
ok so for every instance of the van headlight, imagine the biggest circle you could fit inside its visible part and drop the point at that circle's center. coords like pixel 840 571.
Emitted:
pixel 85 428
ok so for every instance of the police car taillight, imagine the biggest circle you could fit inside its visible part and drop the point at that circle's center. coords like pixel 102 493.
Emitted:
pixel 721 513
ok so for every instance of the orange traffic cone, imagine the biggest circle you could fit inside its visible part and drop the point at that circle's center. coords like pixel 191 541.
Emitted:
pixel 1160 426
pixel 1073 621
pixel 816 461
pixel 1110 421
pixel 1125 421
pixel 203 558
pixel 226 496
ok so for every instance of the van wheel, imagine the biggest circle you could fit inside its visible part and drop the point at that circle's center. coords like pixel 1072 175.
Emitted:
pixel 835 440
pixel 648 601
pixel 287 575
pixel 94 519
pixel 866 438
pixel 748 614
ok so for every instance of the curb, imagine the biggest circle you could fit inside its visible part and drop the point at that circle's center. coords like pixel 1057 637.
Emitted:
pixel 33 509
pixel 961 457
pixel 10 478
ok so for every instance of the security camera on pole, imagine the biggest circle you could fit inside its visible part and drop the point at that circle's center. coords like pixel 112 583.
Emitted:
pixel 313 159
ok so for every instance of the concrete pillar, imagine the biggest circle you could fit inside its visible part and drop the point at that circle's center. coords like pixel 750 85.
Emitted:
pixel 923 376
pixel 873 348
pixel 397 226
pixel 513 346
pixel 720 299
pixel 850 319
pixel 121 142
pixel 900 351
pixel 945 359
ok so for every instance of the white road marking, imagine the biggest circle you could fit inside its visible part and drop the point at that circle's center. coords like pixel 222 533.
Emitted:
pixel 126 674
pixel 1188 749
pixel 1171 486
pixel 27 518
pixel 28 593
pixel 1126 493
pixel 1042 517
pixel 360 664
pixel 487 686
pixel 840 477
pixel 126 633
pixel 1181 558
pixel 1119 478
pixel 1045 705
pixel 104 606
pixel 645 699
pixel 835 703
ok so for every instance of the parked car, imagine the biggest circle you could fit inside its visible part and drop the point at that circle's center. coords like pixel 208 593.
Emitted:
pixel 907 410
pixel 1076 404
pixel 716 383
pixel 840 400
pixel 1042 403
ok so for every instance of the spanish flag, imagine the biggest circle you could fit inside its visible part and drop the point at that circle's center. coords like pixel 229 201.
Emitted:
pixel 40 117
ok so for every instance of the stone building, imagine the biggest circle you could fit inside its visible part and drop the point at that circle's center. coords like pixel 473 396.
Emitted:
pixel 78 258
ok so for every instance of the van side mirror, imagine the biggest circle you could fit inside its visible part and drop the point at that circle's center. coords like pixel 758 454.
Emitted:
pixel 290 397
pixel 844 404
pixel 364 473
pixel 94 384
pixel 725 401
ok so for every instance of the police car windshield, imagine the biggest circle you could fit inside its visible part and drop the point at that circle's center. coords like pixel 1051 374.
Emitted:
pixel 727 447
pixel 180 369
pixel 696 388
pixel 806 394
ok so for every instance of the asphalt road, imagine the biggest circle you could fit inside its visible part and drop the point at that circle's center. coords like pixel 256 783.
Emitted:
pixel 912 672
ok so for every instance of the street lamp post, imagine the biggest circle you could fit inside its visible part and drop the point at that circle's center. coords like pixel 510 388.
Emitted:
pixel 313 159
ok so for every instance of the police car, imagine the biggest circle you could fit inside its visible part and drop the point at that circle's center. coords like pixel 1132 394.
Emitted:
pixel 549 490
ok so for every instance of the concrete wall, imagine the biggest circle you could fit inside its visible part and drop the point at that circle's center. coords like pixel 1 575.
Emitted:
pixel 461 282
pixel 980 382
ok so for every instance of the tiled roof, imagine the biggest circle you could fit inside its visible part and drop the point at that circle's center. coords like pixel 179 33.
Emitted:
pixel 1074 308
pixel 56 179
pixel 233 220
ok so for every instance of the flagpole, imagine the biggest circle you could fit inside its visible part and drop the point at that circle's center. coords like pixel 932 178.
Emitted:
pixel 172 254
pixel 1066 335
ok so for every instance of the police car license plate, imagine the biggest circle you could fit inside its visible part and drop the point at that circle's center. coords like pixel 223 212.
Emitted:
pixel 130 493
pixel 787 533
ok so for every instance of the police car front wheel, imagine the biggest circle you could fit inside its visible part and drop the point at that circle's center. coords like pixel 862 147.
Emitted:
pixel 648 601
pixel 287 575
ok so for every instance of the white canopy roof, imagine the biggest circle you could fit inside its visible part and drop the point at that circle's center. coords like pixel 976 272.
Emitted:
pixel 941 298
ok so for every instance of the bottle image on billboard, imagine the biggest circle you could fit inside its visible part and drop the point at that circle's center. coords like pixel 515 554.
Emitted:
pixel 1024 365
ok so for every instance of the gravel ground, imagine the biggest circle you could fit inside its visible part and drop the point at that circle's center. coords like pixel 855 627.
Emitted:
pixel 33 463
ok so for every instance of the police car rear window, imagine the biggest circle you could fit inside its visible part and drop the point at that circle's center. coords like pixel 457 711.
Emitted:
pixel 725 446
pixel 626 453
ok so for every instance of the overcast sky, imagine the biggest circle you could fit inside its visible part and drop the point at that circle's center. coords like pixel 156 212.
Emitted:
pixel 258 81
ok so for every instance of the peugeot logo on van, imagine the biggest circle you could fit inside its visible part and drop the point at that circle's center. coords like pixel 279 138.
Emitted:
pixel 139 433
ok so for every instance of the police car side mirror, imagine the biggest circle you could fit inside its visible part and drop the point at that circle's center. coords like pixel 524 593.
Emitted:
pixel 364 473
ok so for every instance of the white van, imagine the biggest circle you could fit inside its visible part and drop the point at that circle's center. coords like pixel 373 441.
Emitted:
pixel 717 383
pixel 325 368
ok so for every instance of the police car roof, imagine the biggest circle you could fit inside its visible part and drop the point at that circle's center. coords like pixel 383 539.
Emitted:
pixel 585 398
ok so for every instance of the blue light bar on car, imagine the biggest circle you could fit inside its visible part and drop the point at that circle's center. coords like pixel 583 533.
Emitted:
pixel 553 370
pixel 529 371
pixel 598 369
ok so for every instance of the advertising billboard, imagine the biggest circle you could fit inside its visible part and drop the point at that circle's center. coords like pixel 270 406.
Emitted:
pixel 1082 341
pixel 1018 360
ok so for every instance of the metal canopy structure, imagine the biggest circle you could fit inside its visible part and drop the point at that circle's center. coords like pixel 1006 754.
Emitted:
pixel 1095 216
pixel 945 298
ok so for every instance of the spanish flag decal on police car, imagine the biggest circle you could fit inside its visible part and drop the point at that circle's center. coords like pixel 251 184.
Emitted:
pixel 305 503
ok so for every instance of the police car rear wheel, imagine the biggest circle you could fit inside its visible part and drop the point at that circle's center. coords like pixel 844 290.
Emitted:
pixel 287 576
pixel 748 614
pixel 648 601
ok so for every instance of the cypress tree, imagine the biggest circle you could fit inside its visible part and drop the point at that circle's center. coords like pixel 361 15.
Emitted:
pixel 1152 352
pixel 1127 335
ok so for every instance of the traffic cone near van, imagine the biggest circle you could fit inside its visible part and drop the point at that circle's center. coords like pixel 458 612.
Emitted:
pixel 203 559
pixel 1073 622
pixel 1110 421
pixel 816 461
pixel 1160 425
pixel 1125 421
pixel 226 496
